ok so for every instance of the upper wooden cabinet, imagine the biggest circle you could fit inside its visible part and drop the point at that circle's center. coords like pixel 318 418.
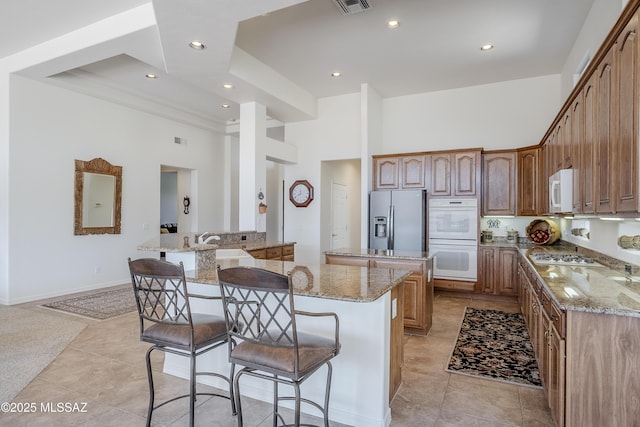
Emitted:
pixel 625 157
pixel 400 172
pixel 528 175
pixel 605 117
pixel 413 171
pixel 455 173
pixel 466 173
pixel 588 147
pixel 499 183
pixel 441 174
pixel 386 173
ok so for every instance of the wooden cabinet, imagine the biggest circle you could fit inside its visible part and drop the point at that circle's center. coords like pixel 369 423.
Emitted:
pixel 605 104
pixel 413 171
pixel 588 175
pixel 396 350
pixel 528 175
pixel 400 172
pixel 280 253
pixel 553 354
pixel 455 173
pixel 499 183
pixel 386 173
pixel 441 174
pixel 498 271
pixel 466 173
pixel 418 287
pixel 625 158
pixel 573 146
pixel 546 324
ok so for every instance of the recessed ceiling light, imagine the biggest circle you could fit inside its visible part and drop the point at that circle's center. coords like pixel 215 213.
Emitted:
pixel 151 76
pixel 336 74
pixel 225 105
pixel 393 23
pixel 227 86
pixel 197 45
pixel 487 46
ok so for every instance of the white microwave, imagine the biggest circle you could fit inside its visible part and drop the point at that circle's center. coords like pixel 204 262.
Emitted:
pixel 561 191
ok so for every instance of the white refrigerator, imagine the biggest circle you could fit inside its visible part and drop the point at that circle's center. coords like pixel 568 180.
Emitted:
pixel 397 220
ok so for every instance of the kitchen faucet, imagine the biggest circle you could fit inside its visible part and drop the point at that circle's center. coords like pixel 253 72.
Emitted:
pixel 204 239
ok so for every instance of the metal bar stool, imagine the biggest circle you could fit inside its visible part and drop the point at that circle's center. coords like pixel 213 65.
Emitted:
pixel 166 322
pixel 261 319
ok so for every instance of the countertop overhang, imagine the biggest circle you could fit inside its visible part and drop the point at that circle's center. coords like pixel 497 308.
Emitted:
pixel 339 282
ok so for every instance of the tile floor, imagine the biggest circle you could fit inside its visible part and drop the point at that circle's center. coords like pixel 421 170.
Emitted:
pixel 104 366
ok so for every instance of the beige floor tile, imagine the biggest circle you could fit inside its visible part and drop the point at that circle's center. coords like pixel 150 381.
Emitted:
pixel 484 399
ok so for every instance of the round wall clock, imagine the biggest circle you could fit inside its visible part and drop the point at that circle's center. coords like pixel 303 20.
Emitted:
pixel 301 193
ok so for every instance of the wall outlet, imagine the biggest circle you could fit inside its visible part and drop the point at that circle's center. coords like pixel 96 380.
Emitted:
pixel 97 269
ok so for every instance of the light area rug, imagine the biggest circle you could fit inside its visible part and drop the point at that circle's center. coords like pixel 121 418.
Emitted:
pixel 99 305
pixel 29 341
pixel 495 345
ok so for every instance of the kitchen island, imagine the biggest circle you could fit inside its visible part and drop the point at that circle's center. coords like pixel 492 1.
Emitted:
pixel 367 303
pixel 418 287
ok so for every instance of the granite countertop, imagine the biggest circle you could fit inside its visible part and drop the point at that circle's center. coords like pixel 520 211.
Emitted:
pixel 379 253
pixel 176 243
pixel 588 289
pixel 340 282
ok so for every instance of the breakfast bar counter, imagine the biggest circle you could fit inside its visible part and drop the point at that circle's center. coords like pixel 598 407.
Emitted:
pixel 367 303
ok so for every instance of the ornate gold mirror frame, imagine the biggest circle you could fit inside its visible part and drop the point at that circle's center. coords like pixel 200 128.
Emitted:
pixel 98 197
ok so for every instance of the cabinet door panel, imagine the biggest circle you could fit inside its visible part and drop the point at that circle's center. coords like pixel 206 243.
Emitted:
pixel 587 164
pixel 413 172
pixel 499 183
pixel 604 138
pixel 528 182
pixel 441 174
pixel 465 165
pixel 386 171
pixel 625 178
pixel 507 272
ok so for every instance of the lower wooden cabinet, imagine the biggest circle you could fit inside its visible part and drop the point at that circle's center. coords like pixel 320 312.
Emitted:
pixel 418 287
pixel 396 356
pixel 498 271
pixel 546 325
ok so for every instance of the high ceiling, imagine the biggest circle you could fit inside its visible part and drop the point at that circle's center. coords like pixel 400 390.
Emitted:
pixel 280 52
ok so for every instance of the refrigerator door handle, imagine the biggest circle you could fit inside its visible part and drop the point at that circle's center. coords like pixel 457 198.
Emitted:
pixel 391 229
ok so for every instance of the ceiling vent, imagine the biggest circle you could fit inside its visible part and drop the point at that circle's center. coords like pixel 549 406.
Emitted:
pixel 349 7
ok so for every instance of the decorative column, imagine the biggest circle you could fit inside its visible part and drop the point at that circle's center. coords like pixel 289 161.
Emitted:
pixel 252 168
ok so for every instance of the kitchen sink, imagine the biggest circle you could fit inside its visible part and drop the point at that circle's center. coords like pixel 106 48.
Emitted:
pixel 231 253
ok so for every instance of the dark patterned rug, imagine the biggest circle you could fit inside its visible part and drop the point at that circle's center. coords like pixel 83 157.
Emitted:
pixel 495 345
pixel 100 305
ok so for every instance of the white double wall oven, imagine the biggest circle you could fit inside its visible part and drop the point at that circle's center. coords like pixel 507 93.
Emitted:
pixel 453 238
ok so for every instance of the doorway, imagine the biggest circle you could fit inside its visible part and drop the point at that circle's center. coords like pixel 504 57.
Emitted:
pixel 340 209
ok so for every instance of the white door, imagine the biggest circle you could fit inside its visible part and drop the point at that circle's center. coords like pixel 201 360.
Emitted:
pixel 339 216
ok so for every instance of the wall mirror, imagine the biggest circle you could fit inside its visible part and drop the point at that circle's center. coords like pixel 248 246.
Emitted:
pixel 98 194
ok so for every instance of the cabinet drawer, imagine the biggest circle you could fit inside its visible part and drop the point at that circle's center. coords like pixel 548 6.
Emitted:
pixel 274 253
pixel 415 267
pixel 454 285
pixel 558 318
pixel 287 250
pixel 258 253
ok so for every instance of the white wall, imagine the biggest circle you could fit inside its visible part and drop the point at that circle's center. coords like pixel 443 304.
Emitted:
pixel 501 115
pixel 335 135
pixel 49 128
pixel 601 18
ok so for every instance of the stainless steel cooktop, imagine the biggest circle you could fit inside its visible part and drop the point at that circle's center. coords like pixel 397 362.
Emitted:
pixel 570 259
